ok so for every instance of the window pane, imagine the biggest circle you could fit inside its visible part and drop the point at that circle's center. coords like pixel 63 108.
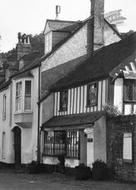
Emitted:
pixel 73 144
pixel 59 142
pixel 18 96
pixel 49 143
pixel 27 87
pixel 27 95
pixel 127 146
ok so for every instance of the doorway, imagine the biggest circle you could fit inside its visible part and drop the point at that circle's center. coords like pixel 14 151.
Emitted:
pixel 17 146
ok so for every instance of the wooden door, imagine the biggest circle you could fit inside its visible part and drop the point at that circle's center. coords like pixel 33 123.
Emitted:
pixel 17 145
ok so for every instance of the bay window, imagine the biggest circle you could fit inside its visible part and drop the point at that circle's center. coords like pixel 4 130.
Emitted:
pixel 62 143
pixel 23 95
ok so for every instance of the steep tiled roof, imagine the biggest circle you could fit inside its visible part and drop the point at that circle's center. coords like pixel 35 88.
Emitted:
pixel 72 120
pixel 31 56
pixel 100 65
pixel 51 76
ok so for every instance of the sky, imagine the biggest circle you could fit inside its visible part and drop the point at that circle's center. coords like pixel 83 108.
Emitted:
pixel 29 16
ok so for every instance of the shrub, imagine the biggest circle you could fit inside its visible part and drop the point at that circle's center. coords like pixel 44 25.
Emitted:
pixel 100 171
pixel 82 172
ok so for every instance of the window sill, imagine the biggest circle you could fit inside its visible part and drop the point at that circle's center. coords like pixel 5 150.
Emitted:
pixel 62 110
pixel 56 156
pixel 127 161
pixel 92 105
pixel 23 112
pixel 129 101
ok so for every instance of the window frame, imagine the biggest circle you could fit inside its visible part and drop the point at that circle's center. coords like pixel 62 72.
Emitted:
pixel 125 151
pixel 4 107
pixel 22 109
pixel 63 147
pixel 61 106
pixel 48 42
pixel 18 97
pixel 3 145
pixel 88 102
pixel 126 100
pixel 27 95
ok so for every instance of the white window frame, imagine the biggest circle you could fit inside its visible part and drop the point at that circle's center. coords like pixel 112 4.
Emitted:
pixel 127 147
pixel 23 96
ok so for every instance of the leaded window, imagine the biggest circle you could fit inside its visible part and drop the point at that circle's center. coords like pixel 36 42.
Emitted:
pixel 62 143
pixel 63 100
pixel 129 90
pixel 92 94
pixel 73 144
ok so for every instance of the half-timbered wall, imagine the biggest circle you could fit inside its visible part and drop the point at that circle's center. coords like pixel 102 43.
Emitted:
pixel 77 100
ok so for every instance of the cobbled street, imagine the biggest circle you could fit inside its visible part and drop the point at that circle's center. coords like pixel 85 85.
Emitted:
pixel 21 181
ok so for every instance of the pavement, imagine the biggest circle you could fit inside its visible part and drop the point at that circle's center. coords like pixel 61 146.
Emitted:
pixel 55 181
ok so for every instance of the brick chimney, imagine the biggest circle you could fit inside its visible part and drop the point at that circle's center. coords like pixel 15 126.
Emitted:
pixel 23 46
pixel 97 12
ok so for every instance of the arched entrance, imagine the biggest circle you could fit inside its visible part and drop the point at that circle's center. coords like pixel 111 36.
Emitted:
pixel 17 145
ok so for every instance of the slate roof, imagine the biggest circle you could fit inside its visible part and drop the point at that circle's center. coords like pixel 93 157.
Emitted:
pixel 73 120
pixel 100 65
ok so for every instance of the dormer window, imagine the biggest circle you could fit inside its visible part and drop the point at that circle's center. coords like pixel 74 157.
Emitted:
pixel 23 96
pixel 92 94
pixel 129 90
pixel 48 42
pixel 63 100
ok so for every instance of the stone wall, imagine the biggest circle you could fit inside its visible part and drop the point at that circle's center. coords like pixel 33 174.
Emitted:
pixel 116 127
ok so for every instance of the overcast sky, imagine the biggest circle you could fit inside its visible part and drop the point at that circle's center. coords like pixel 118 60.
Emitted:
pixel 29 16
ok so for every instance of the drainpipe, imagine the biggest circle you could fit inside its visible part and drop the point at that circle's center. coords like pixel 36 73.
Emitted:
pixel 38 128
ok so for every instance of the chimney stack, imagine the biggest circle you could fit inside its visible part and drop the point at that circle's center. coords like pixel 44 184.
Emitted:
pixel 23 46
pixel 97 12
pixel 58 9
